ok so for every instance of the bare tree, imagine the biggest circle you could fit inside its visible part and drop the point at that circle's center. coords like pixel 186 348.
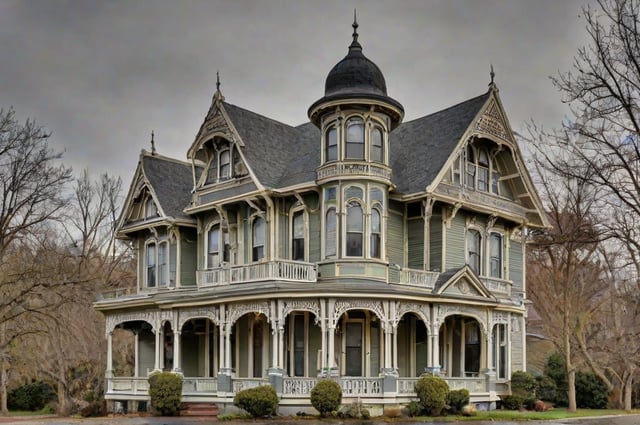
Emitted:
pixel 31 196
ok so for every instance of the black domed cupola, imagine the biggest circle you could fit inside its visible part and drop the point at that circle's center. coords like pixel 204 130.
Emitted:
pixel 356 79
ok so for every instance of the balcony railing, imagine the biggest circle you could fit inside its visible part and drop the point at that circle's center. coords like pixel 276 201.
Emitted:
pixel 296 386
pixel 284 270
pixel 496 285
pixel 422 278
pixel 354 168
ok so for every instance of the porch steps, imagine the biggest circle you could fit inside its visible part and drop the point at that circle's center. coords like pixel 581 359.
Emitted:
pixel 199 409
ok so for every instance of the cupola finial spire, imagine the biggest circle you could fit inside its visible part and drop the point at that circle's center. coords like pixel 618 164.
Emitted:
pixel 355 27
pixel 153 144
pixel 218 80
pixel 492 74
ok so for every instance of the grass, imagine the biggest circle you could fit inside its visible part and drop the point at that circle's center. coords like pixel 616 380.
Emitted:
pixel 559 413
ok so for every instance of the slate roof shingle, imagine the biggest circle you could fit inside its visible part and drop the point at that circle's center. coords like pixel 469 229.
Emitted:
pixel 171 181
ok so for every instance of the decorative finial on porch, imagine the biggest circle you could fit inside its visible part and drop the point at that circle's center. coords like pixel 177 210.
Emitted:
pixel 153 144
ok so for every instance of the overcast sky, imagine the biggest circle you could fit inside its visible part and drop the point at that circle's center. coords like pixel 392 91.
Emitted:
pixel 101 75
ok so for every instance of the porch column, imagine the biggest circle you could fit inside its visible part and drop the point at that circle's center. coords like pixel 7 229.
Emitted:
pixel 177 362
pixel 136 354
pixel 227 346
pixel 394 336
pixel 323 337
pixel 158 335
pixel 489 341
pixel 280 353
pixel 436 352
pixel 109 372
pixel 275 342
pixel 387 346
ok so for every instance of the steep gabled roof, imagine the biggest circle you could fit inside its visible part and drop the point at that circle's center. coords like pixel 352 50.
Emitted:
pixel 171 181
pixel 420 148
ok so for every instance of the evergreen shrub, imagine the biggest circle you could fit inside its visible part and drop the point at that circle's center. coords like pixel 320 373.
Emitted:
pixel 590 392
pixel 457 399
pixel 546 388
pixel 432 392
pixel 555 369
pixel 259 402
pixel 30 397
pixel 165 392
pixel 523 384
pixel 326 396
pixel 414 408
pixel 512 402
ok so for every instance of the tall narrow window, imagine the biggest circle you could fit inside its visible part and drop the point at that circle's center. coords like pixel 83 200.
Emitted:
pixel 331 140
pixel 213 247
pixel 354 230
pixel 258 239
pixel 226 246
pixel 150 209
pixel 500 350
pixel 225 165
pixel 473 246
pixel 330 234
pixel 470 179
pixel 298 345
pixel 483 170
pixel 173 261
pixel 375 234
pixel 355 139
pixel 151 265
pixel 377 150
pixel 162 264
pixel 297 237
pixel 495 265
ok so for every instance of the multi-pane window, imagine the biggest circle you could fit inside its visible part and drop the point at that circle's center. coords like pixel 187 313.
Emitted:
pixel 213 247
pixel 150 209
pixel 225 165
pixel 377 149
pixel 330 233
pixel 162 264
pixel 258 238
pixel 355 139
pixel 331 140
pixel 474 240
pixel 355 230
pixel 483 170
pixel 374 240
pixel 151 265
pixel 173 261
pixel 297 236
pixel 500 350
pixel 470 179
pixel 495 255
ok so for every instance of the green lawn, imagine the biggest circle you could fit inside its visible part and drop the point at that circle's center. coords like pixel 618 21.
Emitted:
pixel 558 413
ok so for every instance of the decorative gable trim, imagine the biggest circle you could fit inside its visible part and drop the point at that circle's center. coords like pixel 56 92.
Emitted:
pixel 463 283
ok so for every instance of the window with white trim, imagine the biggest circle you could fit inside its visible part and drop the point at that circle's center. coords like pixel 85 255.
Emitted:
pixel 331 144
pixel 218 248
pixel 355 230
pixel 298 232
pixel 495 255
pixel 376 232
pixel 150 209
pixel 474 250
pixel 355 139
pixel 173 260
pixel 376 152
pixel 225 165
pixel 331 228
pixel 257 239
pixel 151 265
pixel 500 350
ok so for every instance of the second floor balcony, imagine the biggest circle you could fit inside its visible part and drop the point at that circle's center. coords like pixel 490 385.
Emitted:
pixel 282 270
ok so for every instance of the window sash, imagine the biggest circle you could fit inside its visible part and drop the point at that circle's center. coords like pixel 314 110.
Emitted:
pixel 377 151
pixel 151 265
pixel 495 249
pixel 225 165
pixel 330 233
pixel 258 238
pixel 355 139
pixel 474 244
pixel 331 140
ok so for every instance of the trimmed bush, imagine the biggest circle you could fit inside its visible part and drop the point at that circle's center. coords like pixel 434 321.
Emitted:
pixel 259 402
pixel 326 396
pixel 523 384
pixel 590 392
pixel 554 368
pixel 31 397
pixel 457 399
pixel 414 408
pixel 432 392
pixel 165 391
pixel 512 402
pixel 546 388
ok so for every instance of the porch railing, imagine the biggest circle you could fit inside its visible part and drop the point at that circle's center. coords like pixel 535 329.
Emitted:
pixel 296 386
pixel 199 385
pixel 128 385
pixel 422 278
pixel 473 385
pixel 407 386
pixel 240 384
pixel 356 386
pixel 284 270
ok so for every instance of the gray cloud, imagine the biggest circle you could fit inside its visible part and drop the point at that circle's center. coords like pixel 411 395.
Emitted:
pixel 102 75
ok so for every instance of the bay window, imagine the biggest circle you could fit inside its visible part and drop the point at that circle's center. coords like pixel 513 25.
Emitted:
pixel 355 229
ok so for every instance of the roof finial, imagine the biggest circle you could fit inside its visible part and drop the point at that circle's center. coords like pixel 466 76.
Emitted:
pixel 492 75
pixel 218 80
pixel 153 144
pixel 355 27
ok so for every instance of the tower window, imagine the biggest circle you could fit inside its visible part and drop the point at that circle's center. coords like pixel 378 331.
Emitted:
pixel 331 140
pixel 330 233
pixel 355 139
pixel 375 234
pixel 354 230
pixel 377 150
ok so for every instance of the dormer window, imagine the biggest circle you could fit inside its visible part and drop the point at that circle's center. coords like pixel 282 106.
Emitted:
pixel 225 165
pixel 481 171
pixel 150 210
pixel 355 139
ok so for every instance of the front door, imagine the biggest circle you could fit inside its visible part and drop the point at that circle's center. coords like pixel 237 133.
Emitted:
pixel 353 349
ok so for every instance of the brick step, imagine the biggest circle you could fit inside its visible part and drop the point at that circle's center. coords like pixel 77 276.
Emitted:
pixel 199 409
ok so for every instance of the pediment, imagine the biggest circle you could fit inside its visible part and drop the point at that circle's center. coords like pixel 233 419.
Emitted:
pixel 462 283
pixel 494 122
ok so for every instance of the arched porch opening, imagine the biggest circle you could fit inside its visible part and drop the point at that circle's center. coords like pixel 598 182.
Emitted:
pixel 461 347
pixel 199 348
pixel 358 348
pixel 412 337
pixel 302 344
pixel 166 359
pixel 250 346
pixel 133 349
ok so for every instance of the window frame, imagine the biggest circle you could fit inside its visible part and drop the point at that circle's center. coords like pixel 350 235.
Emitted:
pixel 259 255
pixel 150 204
pixel 298 211
pixel 477 265
pixel 331 147
pixel 359 144
pixel 348 253
pixel 149 266
pixel 377 129
pixel 373 242
pixel 224 169
pixel 500 258
pixel 334 253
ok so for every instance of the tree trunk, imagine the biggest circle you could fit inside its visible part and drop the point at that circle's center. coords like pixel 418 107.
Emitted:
pixel 628 390
pixel 571 373
pixel 63 400
pixel 4 377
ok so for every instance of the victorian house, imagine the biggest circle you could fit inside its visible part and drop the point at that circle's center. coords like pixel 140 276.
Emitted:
pixel 355 246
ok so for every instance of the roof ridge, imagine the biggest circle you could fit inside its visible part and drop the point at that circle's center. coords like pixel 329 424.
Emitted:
pixel 258 114
pixel 448 108
pixel 146 154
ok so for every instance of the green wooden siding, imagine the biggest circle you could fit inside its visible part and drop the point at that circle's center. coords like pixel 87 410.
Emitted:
pixel 435 241
pixel 456 234
pixel 395 253
pixel 516 265
pixel 415 243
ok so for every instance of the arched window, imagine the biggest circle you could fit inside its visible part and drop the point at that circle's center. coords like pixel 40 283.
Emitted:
pixel 225 164
pixel 355 228
pixel 258 239
pixel 330 233
pixel 150 210
pixel 151 265
pixel 474 250
pixel 213 247
pixel 377 147
pixel 297 236
pixel 495 251
pixel 355 139
pixel 374 244
pixel 331 140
